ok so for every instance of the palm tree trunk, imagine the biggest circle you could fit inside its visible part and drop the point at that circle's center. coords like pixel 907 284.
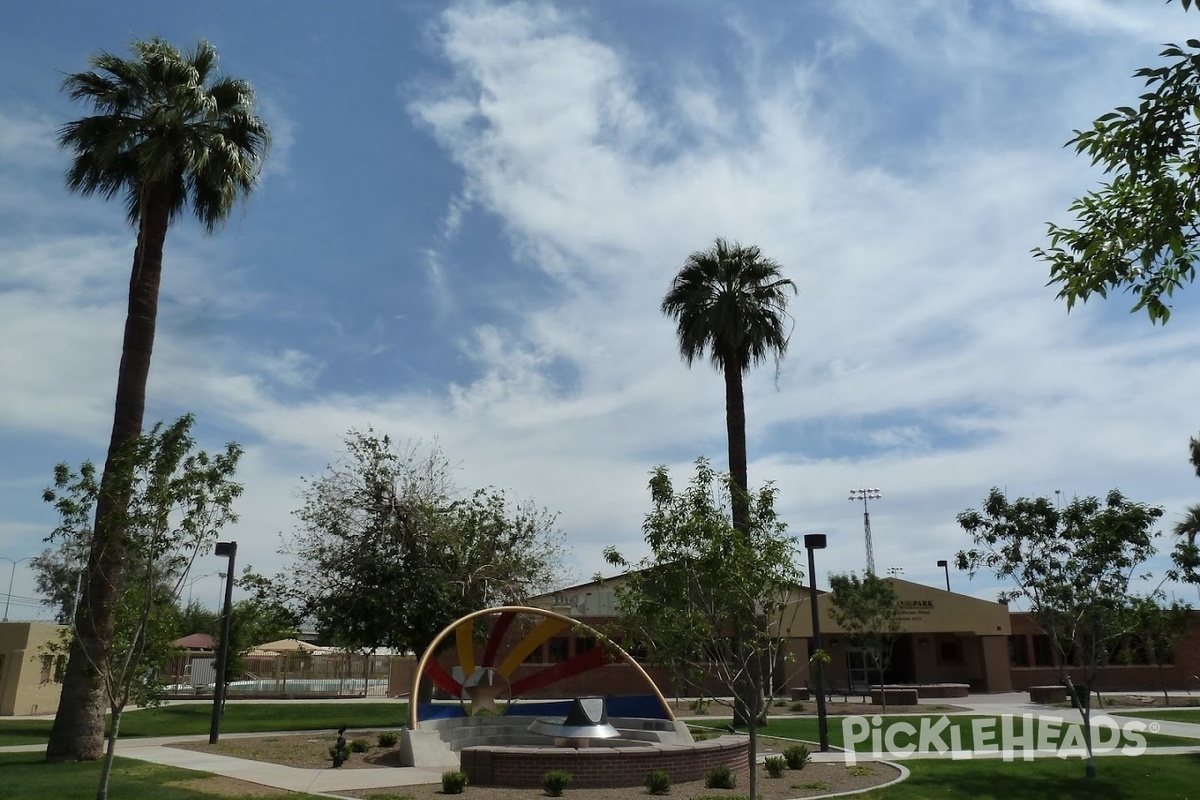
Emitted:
pixel 78 731
pixel 735 426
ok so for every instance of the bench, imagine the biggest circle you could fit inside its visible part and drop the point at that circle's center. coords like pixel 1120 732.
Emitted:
pixel 861 690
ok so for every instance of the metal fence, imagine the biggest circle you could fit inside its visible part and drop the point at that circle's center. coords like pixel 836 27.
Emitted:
pixel 283 675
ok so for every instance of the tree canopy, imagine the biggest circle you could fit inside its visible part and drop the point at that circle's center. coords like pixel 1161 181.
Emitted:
pixel 710 601
pixel 1074 566
pixel 177 500
pixel 868 610
pixel 388 551
pixel 1139 230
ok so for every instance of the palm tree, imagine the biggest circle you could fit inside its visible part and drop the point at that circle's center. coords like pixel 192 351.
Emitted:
pixel 731 303
pixel 168 134
pixel 1189 527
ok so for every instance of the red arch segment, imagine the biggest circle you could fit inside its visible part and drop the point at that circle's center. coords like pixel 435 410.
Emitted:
pixel 596 657
pixel 442 678
pixel 498 630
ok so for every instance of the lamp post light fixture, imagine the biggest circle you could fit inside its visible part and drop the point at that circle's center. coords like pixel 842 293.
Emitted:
pixel 865 495
pixel 816 541
pixel 944 564
pixel 228 549
pixel 12 575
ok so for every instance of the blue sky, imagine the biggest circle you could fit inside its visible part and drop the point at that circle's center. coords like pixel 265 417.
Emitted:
pixel 471 213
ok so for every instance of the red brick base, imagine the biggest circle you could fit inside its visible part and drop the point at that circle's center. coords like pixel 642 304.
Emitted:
pixel 593 767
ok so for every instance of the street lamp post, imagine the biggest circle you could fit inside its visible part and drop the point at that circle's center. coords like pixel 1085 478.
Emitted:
pixel 944 564
pixel 816 541
pixel 214 732
pixel 11 577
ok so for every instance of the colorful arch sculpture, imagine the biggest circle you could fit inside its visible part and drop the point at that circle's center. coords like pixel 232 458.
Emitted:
pixel 495 665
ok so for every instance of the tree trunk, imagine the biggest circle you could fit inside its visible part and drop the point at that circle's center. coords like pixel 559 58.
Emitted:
pixel 106 770
pixel 735 427
pixel 1162 679
pixel 78 730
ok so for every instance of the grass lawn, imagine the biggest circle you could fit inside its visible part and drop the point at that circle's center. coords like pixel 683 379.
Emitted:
pixel 28 777
pixel 195 718
pixel 1172 714
pixel 805 728
pixel 1117 778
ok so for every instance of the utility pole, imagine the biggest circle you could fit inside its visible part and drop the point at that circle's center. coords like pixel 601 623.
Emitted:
pixel 865 495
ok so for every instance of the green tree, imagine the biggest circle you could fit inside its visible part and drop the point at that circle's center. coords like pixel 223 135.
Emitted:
pixel 1158 630
pixel 1141 229
pixel 168 134
pixel 1074 566
pixel 731 302
pixel 709 602
pixel 176 501
pixel 1187 553
pixel 389 551
pixel 868 610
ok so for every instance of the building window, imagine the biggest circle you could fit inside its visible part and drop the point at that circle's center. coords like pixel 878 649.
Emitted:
pixel 1043 652
pixel 536 656
pixel 1018 651
pixel 585 644
pixel 950 651
pixel 558 649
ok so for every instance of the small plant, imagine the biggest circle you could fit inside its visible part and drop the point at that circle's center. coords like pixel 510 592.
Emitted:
pixel 775 766
pixel 721 777
pixel 658 781
pixel 360 745
pixel 797 706
pixel 454 781
pixel 779 702
pixel 859 771
pixel 555 781
pixel 388 738
pixel 797 756
pixel 699 705
pixel 812 786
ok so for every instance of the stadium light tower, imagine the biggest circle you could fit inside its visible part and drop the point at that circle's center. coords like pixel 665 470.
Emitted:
pixel 865 495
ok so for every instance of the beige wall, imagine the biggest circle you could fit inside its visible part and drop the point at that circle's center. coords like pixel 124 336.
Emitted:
pixel 22 690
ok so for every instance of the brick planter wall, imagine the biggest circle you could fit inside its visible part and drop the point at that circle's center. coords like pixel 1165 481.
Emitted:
pixel 596 767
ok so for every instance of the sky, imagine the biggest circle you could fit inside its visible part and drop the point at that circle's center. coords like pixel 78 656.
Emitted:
pixel 472 210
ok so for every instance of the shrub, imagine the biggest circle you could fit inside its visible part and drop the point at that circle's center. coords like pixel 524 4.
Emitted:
pixel 699 705
pixel 797 706
pixel 859 771
pixel 779 702
pixel 775 766
pixel 721 777
pixel 555 781
pixel 388 739
pixel 454 781
pixel 360 745
pixel 658 781
pixel 797 756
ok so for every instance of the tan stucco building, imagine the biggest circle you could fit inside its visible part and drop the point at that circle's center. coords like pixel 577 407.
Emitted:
pixel 947 638
pixel 28 674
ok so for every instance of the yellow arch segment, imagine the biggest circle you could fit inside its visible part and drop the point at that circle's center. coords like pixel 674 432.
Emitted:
pixel 464 640
pixel 532 641
pixel 413 720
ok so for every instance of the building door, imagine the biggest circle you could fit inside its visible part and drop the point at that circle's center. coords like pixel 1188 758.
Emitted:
pixel 859 669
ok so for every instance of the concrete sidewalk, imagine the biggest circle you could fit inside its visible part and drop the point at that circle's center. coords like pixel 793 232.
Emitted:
pixel 315 781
